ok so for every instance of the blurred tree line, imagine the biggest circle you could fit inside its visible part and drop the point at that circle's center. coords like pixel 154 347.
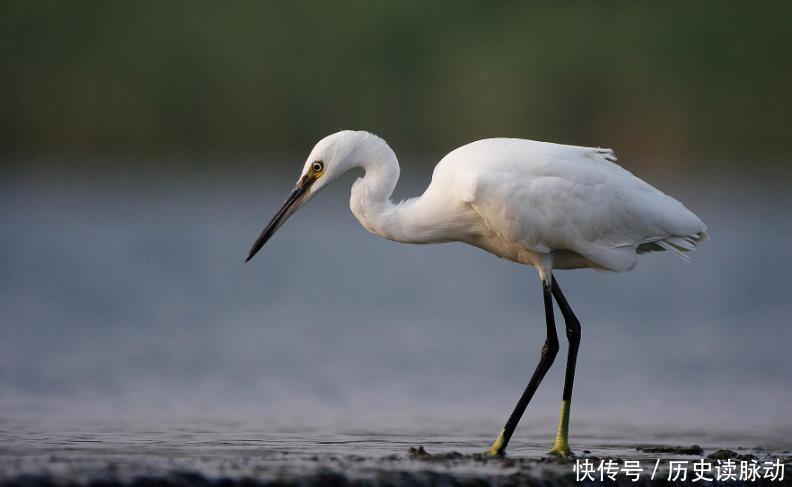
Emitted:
pixel 701 81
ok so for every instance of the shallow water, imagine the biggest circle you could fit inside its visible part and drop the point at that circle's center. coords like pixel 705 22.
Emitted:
pixel 197 451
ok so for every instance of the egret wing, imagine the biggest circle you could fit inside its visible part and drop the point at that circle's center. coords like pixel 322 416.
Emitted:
pixel 549 197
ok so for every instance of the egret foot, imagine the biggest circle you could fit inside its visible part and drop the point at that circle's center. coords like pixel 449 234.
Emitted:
pixel 561 446
pixel 561 451
pixel 498 448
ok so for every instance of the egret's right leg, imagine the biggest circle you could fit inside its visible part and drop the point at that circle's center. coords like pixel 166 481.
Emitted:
pixel 561 446
pixel 549 352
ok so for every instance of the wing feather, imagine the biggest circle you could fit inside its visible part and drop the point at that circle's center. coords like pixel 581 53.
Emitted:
pixel 546 197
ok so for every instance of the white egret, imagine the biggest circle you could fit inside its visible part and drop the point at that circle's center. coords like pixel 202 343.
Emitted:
pixel 547 205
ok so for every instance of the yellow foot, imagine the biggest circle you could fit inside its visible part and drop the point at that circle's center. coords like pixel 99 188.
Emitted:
pixel 561 451
pixel 498 449
pixel 561 445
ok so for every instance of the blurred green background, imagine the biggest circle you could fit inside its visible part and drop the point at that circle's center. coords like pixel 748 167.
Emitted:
pixel 687 82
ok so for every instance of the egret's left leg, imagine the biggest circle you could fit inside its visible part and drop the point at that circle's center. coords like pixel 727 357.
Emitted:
pixel 549 352
pixel 561 446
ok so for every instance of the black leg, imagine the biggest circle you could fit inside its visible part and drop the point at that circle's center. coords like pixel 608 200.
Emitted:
pixel 561 446
pixel 549 352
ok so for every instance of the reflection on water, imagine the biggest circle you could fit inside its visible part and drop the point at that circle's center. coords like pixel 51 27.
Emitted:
pixel 127 295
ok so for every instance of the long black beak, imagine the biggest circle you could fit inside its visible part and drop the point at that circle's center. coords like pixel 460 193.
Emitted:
pixel 289 207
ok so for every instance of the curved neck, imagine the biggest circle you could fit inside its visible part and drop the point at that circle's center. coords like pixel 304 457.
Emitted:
pixel 377 184
pixel 416 220
pixel 370 198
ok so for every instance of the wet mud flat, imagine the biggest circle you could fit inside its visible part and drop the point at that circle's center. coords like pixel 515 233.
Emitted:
pixel 233 464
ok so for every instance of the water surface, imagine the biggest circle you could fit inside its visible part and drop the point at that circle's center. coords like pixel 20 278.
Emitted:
pixel 124 297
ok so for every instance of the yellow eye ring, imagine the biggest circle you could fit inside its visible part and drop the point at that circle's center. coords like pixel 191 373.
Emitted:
pixel 317 167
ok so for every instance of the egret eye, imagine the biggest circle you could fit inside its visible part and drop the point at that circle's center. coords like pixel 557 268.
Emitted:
pixel 317 166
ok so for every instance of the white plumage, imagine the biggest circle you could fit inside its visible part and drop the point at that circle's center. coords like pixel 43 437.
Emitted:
pixel 536 203
pixel 548 205
pixel 563 206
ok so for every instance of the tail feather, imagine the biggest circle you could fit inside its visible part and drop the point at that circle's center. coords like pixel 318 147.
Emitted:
pixel 682 243
pixel 678 251
pixel 678 245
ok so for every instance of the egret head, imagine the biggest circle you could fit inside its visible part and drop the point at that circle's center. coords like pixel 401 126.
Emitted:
pixel 330 158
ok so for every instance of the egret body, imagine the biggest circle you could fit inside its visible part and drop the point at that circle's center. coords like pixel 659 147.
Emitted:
pixel 546 205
